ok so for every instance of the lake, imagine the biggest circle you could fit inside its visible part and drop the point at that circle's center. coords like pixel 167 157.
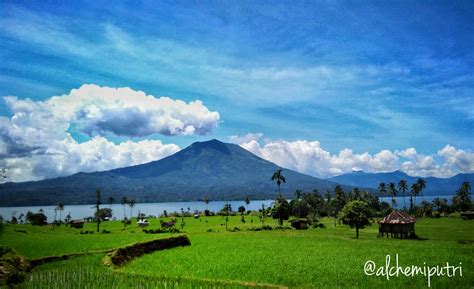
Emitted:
pixel 156 209
pixel 83 211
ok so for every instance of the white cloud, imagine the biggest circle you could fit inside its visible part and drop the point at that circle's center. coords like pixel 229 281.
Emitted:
pixel 246 138
pixel 310 158
pixel 35 143
pixel 122 111
pixel 98 154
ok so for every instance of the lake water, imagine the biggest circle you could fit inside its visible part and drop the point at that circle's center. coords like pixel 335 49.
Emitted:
pixel 156 209
pixel 417 201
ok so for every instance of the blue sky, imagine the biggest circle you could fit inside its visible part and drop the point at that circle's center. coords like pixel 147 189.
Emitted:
pixel 366 75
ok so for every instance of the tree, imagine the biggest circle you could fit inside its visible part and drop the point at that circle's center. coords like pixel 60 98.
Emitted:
pixel 403 187
pixel 124 201
pixel 206 200
pixel 247 203
pixel 60 208
pixel 131 204
pixel 226 210
pixel 339 201
pixel 279 178
pixel 462 199
pixel 111 202
pixel 281 210
pixel 356 214
pixel 414 191
pixel 393 192
pixel 382 189
pixel 263 214
pixel 421 186
pixel 104 213
pixel 97 207
pixel 241 210
pixel 298 194
pixel 38 219
pixel 355 195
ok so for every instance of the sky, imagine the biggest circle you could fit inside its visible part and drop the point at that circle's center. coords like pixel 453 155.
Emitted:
pixel 321 87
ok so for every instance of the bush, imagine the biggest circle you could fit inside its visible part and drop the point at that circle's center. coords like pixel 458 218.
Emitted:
pixel 13 268
pixel 436 215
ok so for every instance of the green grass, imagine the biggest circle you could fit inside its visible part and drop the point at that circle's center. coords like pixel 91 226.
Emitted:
pixel 316 258
pixel 46 241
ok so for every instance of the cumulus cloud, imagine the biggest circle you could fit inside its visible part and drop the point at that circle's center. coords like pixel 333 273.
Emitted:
pixel 310 158
pixel 36 142
pixel 246 138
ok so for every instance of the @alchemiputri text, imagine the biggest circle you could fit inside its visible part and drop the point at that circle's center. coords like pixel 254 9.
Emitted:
pixel 393 269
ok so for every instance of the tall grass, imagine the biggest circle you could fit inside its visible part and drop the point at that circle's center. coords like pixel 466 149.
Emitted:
pixel 93 277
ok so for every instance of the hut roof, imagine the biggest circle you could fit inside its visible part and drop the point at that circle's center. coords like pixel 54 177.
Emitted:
pixel 80 221
pixel 397 217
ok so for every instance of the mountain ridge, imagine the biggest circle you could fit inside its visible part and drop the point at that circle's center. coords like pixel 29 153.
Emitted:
pixel 434 186
pixel 221 171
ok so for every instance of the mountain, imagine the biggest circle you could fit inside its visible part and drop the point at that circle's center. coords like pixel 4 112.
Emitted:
pixel 434 186
pixel 221 171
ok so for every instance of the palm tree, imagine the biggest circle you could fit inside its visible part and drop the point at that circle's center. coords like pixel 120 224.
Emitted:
pixel 111 201
pixel 382 189
pixel 247 203
pixel 97 206
pixel 393 192
pixel 131 204
pixel 413 192
pixel 279 178
pixel 298 194
pixel 60 208
pixel 403 187
pixel 421 185
pixel 124 201
pixel 206 200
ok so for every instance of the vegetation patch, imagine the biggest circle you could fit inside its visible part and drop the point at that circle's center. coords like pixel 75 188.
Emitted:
pixel 13 267
pixel 123 255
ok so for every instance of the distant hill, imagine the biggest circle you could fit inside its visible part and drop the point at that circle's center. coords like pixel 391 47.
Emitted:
pixel 434 186
pixel 221 171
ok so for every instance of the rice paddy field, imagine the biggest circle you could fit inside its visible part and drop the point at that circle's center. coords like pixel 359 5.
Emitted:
pixel 328 257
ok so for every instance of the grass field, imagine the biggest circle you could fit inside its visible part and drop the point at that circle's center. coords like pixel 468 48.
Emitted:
pixel 315 258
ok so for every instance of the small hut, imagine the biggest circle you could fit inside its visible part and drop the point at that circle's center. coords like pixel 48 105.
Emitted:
pixel 397 224
pixel 300 224
pixel 78 224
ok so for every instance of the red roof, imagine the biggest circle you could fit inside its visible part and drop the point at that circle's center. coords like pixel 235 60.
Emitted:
pixel 397 217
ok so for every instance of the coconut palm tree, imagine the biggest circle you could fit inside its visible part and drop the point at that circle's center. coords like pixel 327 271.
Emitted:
pixel 247 203
pixel 421 186
pixel 298 194
pixel 206 200
pixel 279 178
pixel 131 204
pixel 124 201
pixel 60 208
pixel 393 192
pixel 414 191
pixel 382 189
pixel 97 207
pixel 403 187
pixel 111 201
